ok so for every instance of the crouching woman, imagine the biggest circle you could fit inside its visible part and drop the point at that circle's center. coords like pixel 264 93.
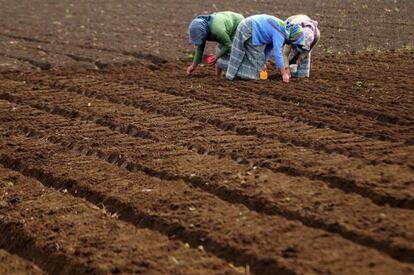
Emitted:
pixel 218 27
pixel 294 58
pixel 255 38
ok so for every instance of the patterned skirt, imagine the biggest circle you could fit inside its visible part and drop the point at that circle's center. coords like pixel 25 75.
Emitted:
pixel 222 61
pixel 246 60
pixel 305 64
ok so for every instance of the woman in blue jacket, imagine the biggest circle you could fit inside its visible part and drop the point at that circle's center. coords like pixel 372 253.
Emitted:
pixel 255 38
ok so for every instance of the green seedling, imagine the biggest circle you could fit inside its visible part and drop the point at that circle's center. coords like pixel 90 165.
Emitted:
pixel 8 183
pixel 359 83
pixel 370 49
pixel 408 47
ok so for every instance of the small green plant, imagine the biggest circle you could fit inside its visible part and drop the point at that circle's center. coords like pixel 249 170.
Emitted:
pixel 8 183
pixel 408 47
pixel 190 56
pixel 370 48
pixel 359 83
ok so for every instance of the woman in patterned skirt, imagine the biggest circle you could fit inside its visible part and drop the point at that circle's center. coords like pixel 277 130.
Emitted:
pixel 219 27
pixel 255 38
pixel 302 59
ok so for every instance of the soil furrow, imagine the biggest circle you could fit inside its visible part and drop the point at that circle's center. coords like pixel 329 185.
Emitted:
pixel 60 48
pixel 114 160
pixel 66 235
pixel 271 194
pixel 297 112
pixel 333 102
pixel 384 184
pixel 36 63
pixel 12 264
pixel 18 241
pixel 232 97
pixel 275 128
pixel 189 211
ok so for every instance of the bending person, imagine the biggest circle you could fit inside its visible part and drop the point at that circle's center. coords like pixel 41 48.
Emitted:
pixel 219 27
pixel 294 56
pixel 255 38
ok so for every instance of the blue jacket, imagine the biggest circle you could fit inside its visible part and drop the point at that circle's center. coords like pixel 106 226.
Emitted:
pixel 270 31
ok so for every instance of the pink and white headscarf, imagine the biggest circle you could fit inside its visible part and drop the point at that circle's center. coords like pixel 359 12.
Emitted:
pixel 312 34
pixel 310 29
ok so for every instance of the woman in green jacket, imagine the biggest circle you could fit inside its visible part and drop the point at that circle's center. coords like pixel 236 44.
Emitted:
pixel 219 27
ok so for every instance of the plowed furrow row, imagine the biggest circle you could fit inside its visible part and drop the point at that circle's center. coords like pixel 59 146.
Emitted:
pixel 312 203
pixel 13 264
pixel 336 100
pixel 376 127
pixel 146 216
pixel 66 235
pixel 382 183
pixel 278 128
pixel 188 212
pixel 298 160
pixel 334 103
pixel 297 112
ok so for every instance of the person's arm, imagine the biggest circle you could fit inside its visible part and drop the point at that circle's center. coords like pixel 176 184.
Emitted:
pixel 198 56
pixel 278 42
pixel 222 30
pixel 219 34
pixel 199 52
pixel 223 38
pixel 277 48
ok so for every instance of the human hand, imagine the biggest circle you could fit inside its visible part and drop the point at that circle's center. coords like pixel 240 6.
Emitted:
pixel 191 68
pixel 288 72
pixel 285 75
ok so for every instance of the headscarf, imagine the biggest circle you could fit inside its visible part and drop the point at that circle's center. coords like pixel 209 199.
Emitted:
pixel 279 25
pixel 310 29
pixel 199 29
pixel 312 33
pixel 296 35
pixel 293 33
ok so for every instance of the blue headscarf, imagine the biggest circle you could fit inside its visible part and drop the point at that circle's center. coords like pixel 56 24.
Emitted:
pixel 293 33
pixel 199 29
pixel 296 35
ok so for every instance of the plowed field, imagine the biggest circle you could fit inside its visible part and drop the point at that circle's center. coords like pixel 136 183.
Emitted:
pixel 116 162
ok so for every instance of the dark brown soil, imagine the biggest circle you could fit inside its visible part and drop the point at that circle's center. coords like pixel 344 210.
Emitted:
pixel 113 161
pixel 11 264
pixel 45 34
pixel 66 235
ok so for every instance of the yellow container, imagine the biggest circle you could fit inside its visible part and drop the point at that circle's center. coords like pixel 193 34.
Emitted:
pixel 263 75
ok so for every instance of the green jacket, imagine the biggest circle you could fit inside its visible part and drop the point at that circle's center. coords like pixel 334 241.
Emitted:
pixel 222 30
